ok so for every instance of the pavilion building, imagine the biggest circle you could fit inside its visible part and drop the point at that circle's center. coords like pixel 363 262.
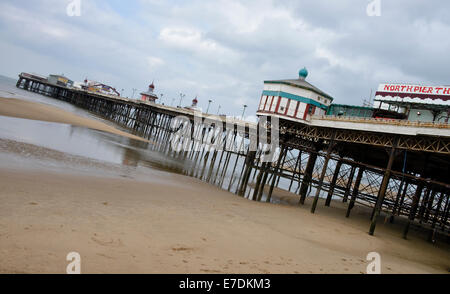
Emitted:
pixel 293 99
pixel 149 96
pixel 413 102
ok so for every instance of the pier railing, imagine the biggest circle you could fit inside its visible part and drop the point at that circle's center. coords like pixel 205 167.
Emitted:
pixel 394 122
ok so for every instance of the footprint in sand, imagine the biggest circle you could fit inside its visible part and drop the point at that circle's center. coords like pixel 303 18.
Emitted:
pixel 109 243
pixel 106 256
pixel 182 249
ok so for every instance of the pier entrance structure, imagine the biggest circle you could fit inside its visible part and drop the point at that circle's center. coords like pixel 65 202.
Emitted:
pixel 149 96
pixel 399 169
pixel 414 102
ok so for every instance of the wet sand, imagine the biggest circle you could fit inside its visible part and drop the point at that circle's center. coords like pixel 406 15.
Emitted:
pixel 128 226
pixel 37 111
pixel 168 223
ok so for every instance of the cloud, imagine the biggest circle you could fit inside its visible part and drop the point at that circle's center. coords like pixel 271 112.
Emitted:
pixel 195 42
pixel 189 39
pixel 154 62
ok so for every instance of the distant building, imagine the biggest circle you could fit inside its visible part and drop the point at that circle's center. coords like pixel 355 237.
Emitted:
pixel 34 76
pixel 413 102
pixel 293 99
pixel 149 95
pixel 60 80
pixel 97 87
pixel 194 105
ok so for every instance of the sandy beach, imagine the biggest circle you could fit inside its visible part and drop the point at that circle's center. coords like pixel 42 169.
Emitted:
pixel 170 223
pixel 127 226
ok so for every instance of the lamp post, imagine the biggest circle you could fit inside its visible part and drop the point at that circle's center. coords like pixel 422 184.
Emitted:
pixel 218 110
pixel 181 98
pixel 162 95
pixel 173 100
pixel 243 112
pixel 134 91
pixel 121 93
pixel 209 104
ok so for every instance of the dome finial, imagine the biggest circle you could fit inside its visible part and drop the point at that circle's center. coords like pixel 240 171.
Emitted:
pixel 303 73
pixel 151 88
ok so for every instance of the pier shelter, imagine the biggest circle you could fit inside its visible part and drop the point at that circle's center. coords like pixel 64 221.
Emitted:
pixel 293 99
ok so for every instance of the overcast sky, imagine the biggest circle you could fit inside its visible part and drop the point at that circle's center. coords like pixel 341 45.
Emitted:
pixel 224 50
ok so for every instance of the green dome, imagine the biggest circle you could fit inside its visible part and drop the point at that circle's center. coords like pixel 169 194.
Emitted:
pixel 303 73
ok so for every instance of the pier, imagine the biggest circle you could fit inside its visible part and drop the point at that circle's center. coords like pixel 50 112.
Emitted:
pixel 399 169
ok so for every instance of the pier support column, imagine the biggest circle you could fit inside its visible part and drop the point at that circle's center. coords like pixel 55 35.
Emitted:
pixel 324 172
pixel 282 164
pixel 432 236
pixel 430 205
pixel 283 153
pixel 238 155
pixel 224 171
pixel 398 202
pixel 446 209
pixel 414 205
pixel 416 198
pixel 402 200
pixel 261 181
pixel 355 191
pixel 248 169
pixel 424 205
pixel 228 150
pixel 384 184
pixel 211 165
pixel 348 187
pixel 297 162
pixel 333 183
pixel 205 160
pixel 219 164
pixel 307 176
